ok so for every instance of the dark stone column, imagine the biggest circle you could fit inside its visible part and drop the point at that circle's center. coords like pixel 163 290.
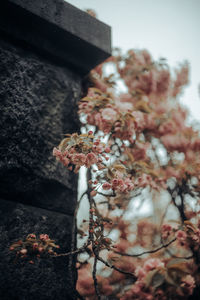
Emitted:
pixel 46 48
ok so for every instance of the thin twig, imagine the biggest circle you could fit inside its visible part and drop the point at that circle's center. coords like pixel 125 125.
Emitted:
pixel 80 250
pixel 180 257
pixel 114 267
pixel 102 194
pixel 146 252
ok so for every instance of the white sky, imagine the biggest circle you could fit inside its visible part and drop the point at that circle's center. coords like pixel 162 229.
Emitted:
pixel 167 28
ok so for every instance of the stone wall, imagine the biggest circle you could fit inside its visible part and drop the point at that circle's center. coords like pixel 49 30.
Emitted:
pixel 42 63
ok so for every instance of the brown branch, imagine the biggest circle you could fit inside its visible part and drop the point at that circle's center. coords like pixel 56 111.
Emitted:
pixel 77 251
pixel 113 267
pixel 146 252
pixel 102 194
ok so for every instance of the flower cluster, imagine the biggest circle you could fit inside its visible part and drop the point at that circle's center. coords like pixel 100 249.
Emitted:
pixel 80 150
pixel 33 247
pixel 153 276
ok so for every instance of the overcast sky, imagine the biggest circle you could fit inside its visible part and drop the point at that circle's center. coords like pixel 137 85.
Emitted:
pixel 167 28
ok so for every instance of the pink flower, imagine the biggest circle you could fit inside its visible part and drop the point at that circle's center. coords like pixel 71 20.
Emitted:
pixel 136 289
pixel 32 236
pixel 123 245
pixel 144 180
pixel 40 249
pixel 162 108
pixel 140 150
pixel 35 246
pixel 44 237
pixel 172 172
pixel 107 289
pixel 93 193
pixel 167 127
pixel 149 297
pixel 85 284
pixel 65 161
pixel 125 132
pixel 140 272
pixel 57 152
pixel 195 144
pixel 175 142
pixel 151 123
pixel 181 237
pixel 153 263
pixel 97 148
pixel 166 231
pixel 178 116
pixel 91 119
pixel 129 184
pixel 124 106
pixel 188 284
pixel 107 150
pixel 116 183
pixel 109 114
pixel 91 93
pixel 79 159
pixel 163 82
pixel 106 186
pixel 139 120
pixel 91 159
pixel 104 124
pixel 23 251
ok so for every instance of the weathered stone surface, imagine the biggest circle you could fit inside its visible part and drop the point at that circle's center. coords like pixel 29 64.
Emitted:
pixel 49 278
pixel 38 105
pixel 58 29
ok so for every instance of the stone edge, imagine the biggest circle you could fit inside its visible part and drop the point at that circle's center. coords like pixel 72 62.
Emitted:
pixel 57 30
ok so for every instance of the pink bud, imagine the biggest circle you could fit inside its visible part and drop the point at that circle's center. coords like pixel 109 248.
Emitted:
pixel 32 235
pixel 23 251
pixel 107 150
pixel 35 245
pixel 44 237
pixel 93 193
pixel 106 186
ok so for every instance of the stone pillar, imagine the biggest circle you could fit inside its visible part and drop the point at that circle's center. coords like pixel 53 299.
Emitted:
pixel 46 49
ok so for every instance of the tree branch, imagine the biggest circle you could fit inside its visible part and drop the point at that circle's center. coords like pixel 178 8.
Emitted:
pixel 146 252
